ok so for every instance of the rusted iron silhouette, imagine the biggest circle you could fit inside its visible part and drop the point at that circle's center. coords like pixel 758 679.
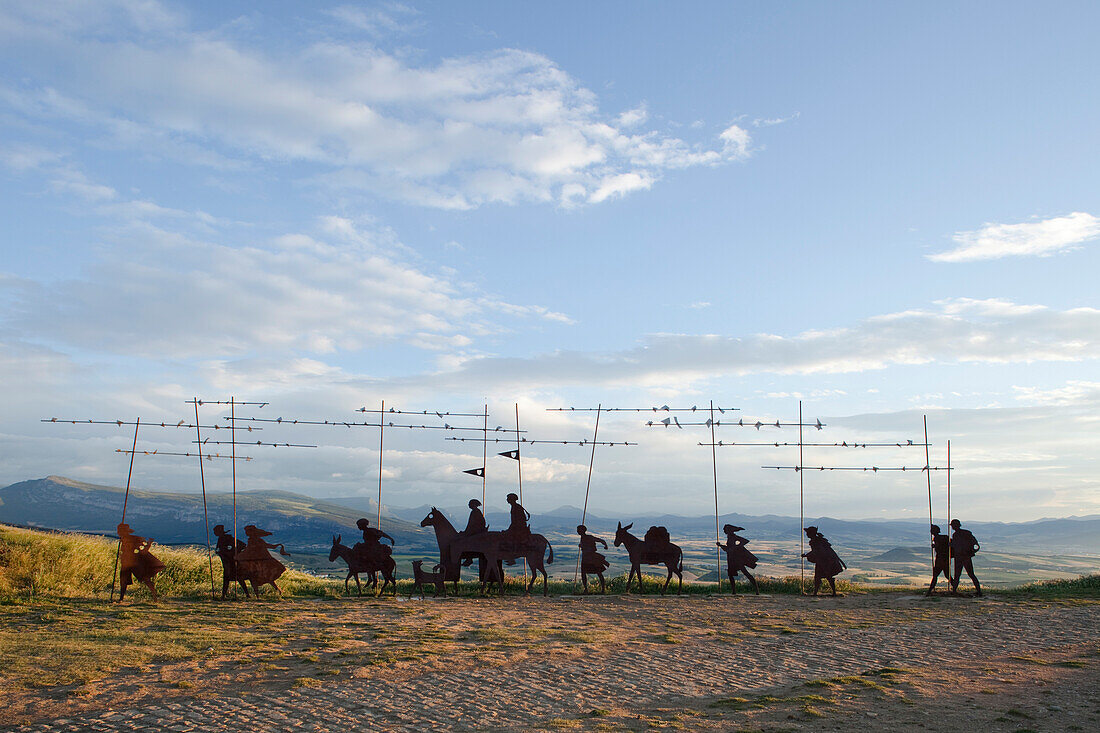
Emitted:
pixel 941 554
pixel 738 557
pixel 227 548
pixel 494 547
pixel 445 534
pixel 136 562
pixel 592 561
pixel 827 564
pixel 963 548
pixel 361 562
pixel 655 549
pixel 422 576
pixel 255 564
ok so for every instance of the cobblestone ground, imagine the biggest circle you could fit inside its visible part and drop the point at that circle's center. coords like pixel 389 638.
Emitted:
pixel 697 660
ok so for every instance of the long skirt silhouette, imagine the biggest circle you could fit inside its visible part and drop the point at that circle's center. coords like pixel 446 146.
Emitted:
pixel 255 564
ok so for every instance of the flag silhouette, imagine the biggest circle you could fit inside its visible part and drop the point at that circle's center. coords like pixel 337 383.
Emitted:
pixel 513 454
pixel 479 472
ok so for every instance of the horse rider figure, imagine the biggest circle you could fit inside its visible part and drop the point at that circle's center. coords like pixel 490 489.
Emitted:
pixel 475 525
pixel 519 532
pixel 371 548
pixel 657 540
pixel 964 546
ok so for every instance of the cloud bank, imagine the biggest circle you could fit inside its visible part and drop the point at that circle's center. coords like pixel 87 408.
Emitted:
pixel 1038 238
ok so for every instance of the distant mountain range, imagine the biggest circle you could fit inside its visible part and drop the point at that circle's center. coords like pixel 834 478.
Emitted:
pixel 308 524
pixel 300 522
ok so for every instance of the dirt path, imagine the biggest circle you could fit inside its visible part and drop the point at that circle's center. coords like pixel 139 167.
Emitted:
pixel 879 661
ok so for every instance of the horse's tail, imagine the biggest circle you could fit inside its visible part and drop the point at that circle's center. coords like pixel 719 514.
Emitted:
pixel 550 547
pixel 680 560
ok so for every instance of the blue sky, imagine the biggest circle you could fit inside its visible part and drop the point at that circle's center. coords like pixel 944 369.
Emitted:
pixel 884 211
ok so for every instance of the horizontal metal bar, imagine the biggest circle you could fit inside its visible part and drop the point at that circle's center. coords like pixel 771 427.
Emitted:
pixel 346 424
pixel 422 412
pixel 227 402
pixel 253 442
pixel 842 444
pixel 663 408
pixel 207 456
pixel 874 469
pixel 180 424
pixel 525 441
pixel 673 422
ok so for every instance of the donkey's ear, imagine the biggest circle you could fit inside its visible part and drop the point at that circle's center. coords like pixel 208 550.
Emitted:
pixel 338 538
pixel 629 525
pixel 620 525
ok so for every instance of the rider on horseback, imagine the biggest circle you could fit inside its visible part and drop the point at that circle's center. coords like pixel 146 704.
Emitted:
pixel 518 534
pixel 475 525
pixel 371 547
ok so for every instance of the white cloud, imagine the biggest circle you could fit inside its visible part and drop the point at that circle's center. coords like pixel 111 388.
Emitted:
pixel 505 126
pixel 957 331
pixel 163 295
pixel 1038 238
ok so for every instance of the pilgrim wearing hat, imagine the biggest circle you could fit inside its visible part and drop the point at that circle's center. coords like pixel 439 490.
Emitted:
pixel 738 557
pixel 827 564
pixel 135 561
pixel 255 564
pixel 592 561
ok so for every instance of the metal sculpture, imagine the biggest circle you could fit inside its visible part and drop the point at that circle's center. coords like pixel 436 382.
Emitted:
pixel 655 549
pixel 963 547
pixel 362 562
pixel 258 566
pixel 827 564
pixel 941 558
pixel 592 561
pixel 136 562
pixel 738 557
pixel 227 548
pixel 491 549
pixel 445 534
pixel 421 576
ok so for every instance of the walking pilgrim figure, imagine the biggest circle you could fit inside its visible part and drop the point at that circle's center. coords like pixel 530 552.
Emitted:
pixel 827 564
pixel 941 553
pixel 738 557
pixel 136 562
pixel 255 564
pixel 964 546
pixel 592 561
pixel 227 549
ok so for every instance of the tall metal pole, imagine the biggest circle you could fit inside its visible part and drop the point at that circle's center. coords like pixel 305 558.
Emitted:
pixel 950 529
pixel 233 455
pixel 519 469
pixel 205 512
pixel 125 501
pixel 801 505
pixel 928 474
pixel 484 452
pixel 381 431
pixel 588 485
pixel 714 470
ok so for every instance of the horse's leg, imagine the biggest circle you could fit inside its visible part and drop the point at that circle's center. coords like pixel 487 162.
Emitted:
pixel 667 580
pixel 358 586
pixel 347 591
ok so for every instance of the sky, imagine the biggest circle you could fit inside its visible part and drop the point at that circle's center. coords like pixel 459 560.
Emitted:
pixel 886 212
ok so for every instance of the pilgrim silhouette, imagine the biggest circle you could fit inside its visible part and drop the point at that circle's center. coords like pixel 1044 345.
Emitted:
pixel 827 564
pixel 963 548
pixel 738 557
pixel 941 558
pixel 228 548
pixel 136 562
pixel 592 561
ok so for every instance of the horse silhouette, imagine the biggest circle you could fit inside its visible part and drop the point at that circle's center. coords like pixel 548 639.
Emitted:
pixel 494 547
pixel 358 563
pixel 648 553
pixel 445 533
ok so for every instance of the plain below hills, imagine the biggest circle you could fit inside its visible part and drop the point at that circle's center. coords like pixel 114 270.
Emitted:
pixel 307 524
